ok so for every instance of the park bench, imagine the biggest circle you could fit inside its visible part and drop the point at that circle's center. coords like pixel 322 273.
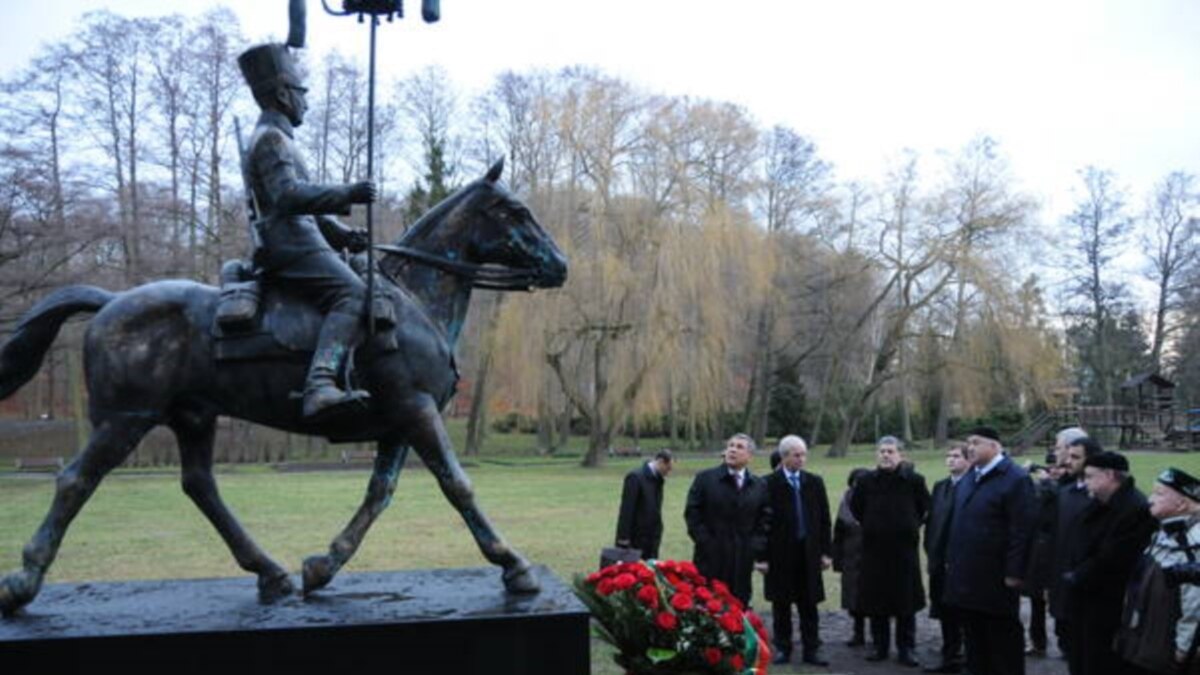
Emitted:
pixel 39 463
pixel 625 452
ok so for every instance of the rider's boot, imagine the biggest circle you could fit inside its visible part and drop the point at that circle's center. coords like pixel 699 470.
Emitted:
pixel 322 397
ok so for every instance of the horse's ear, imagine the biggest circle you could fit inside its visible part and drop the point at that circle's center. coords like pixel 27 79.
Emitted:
pixel 493 173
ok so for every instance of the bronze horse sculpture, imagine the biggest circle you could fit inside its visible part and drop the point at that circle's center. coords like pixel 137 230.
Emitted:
pixel 149 361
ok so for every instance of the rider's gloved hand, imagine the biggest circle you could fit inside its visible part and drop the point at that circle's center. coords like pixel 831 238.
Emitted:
pixel 363 192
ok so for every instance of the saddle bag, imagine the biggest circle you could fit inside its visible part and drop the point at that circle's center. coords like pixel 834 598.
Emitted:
pixel 238 305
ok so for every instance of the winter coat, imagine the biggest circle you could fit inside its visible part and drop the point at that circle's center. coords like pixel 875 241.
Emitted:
pixel 1070 503
pixel 891 505
pixel 937 534
pixel 847 553
pixel 640 519
pixel 728 526
pixel 989 539
pixel 1160 619
pixel 794 566
pixel 1039 574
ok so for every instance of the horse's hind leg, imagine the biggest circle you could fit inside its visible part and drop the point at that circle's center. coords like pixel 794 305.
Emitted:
pixel 389 460
pixel 432 443
pixel 195 434
pixel 111 442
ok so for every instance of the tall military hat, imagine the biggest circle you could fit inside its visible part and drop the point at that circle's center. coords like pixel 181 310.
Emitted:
pixel 267 66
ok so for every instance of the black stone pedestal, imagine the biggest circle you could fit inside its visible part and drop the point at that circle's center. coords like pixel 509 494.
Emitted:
pixel 457 622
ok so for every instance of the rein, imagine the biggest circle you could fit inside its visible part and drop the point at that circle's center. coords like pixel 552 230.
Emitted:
pixel 480 276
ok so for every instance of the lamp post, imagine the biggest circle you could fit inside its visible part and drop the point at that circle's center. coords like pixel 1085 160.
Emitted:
pixel 372 11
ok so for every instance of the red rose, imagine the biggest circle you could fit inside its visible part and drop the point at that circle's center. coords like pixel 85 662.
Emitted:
pixel 593 577
pixel 712 655
pixel 684 588
pixel 720 587
pixel 704 594
pixel 714 606
pixel 648 596
pixel 737 662
pixel 755 621
pixel 605 587
pixel 689 568
pixel 624 581
pixel 731 622
pixel 643 573
pixel 672 578
pixel 681 601
pixel 666 621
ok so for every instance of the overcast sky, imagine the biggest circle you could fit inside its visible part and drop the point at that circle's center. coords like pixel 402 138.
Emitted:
pixel 1060 83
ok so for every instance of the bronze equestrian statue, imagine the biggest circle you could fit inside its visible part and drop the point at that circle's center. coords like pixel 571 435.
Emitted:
pixel 153 355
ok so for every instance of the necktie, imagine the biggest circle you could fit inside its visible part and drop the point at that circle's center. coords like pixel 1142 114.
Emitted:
pixel 737 478
pixel 801 526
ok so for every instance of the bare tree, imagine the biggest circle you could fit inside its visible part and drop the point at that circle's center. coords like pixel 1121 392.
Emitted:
pixel 1171 246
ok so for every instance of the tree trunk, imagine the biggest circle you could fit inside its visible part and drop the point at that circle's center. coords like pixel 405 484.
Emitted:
pixel 600 435
pixel 672 422
pixel 477 418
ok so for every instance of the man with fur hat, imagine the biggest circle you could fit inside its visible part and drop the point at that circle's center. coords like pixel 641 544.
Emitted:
pixel 1158 626
pixel 1116 527
pixel 298 235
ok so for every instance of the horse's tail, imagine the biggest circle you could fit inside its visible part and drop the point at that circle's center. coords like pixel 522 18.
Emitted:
pixel 22 355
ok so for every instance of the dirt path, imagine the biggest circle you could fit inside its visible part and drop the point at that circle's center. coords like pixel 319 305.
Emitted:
pixel 836 629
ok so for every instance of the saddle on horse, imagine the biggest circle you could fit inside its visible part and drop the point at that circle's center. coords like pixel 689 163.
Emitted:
pixel 256 319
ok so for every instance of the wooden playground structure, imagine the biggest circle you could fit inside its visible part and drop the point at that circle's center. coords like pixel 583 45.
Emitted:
pixel 1147 419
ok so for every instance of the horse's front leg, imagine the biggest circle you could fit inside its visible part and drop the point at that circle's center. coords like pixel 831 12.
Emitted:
pixel 429 437
pixel 319 569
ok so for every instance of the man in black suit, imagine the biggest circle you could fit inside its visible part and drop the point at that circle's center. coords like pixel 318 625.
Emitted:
pixel 1116 527
pixel 799 547
pixel 937 535
pixel 727 518
pixel 639 524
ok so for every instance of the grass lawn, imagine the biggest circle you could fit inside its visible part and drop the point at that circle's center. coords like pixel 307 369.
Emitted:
pixel 140 525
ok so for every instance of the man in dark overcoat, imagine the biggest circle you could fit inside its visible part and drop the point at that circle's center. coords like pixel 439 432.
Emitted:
pixel 639 522
pixel 727 518
pixel 937 534
pixel 891 503
pixel 987 556
pixel 1116 527
pixel 799 548
pixel 1070 504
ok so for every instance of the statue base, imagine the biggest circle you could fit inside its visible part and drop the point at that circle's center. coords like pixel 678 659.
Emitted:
pixel 457 621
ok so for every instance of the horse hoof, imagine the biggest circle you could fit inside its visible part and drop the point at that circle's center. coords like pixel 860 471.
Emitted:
pixel 274 587
pixel 17 590
pixel 318 572
pixel 520 579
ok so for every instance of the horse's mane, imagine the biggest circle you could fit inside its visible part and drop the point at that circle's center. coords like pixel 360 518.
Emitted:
pixel 433 217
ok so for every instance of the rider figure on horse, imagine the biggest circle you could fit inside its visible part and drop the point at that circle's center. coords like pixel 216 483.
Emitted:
pixel 297 234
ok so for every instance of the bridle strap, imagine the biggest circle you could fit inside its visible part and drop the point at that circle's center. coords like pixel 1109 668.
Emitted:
pixel 480 276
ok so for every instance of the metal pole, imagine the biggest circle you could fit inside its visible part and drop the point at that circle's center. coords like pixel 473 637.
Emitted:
pixel 371 177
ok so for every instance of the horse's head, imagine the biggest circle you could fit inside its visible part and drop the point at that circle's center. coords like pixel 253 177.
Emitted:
pixel 485 234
